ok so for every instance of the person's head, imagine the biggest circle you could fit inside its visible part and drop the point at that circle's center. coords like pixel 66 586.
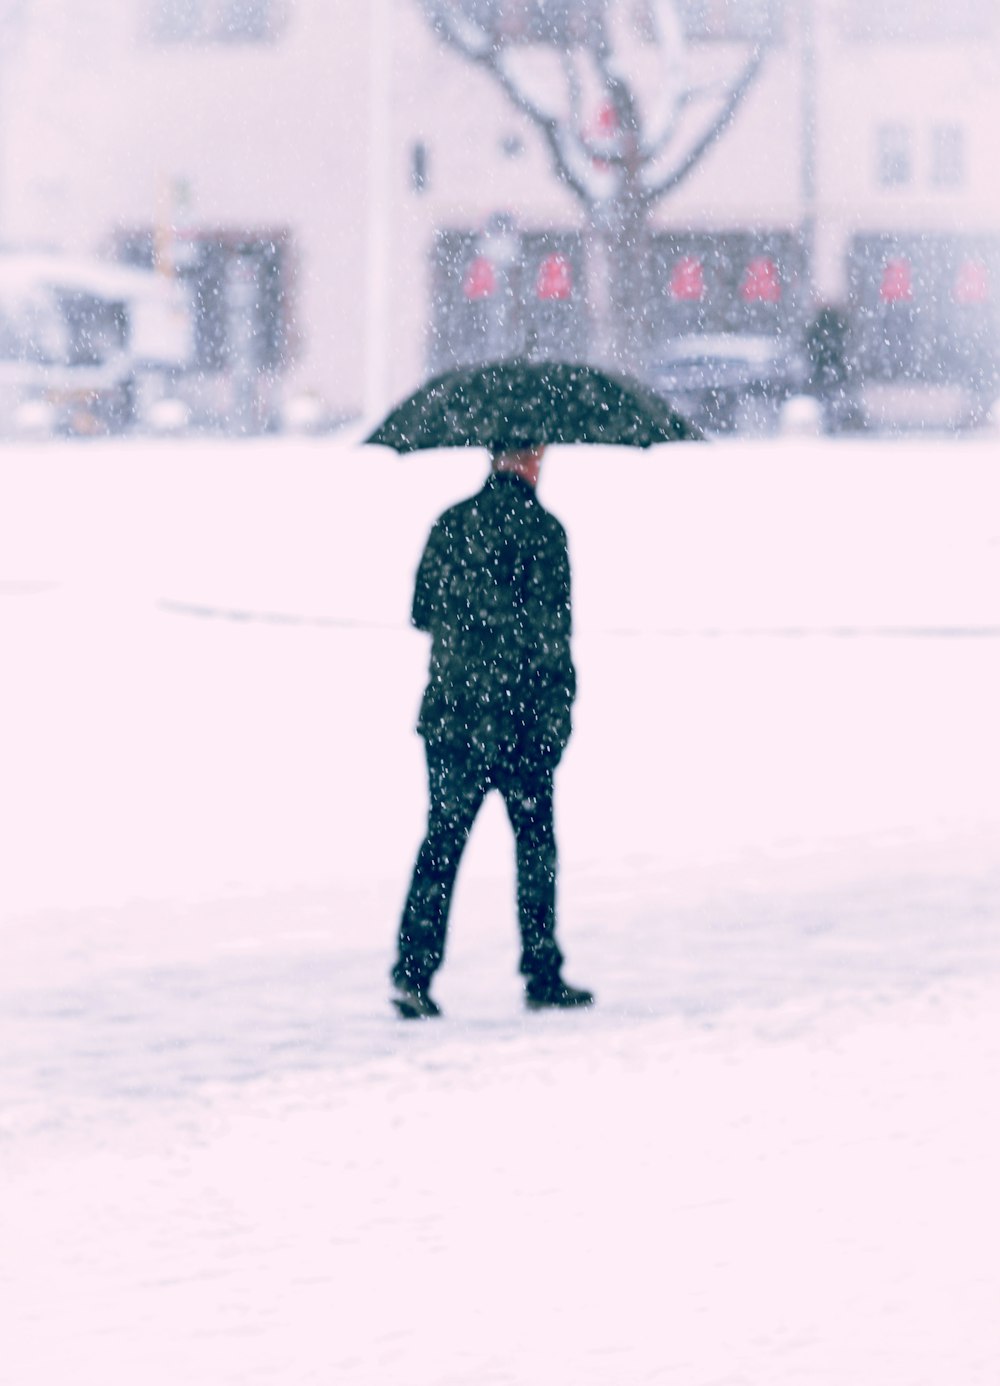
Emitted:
pixel 523 462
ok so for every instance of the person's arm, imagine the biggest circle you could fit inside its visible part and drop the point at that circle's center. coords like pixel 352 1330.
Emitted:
pixel 548 600
pixel 426 608
pixel 553 673
pixel 562 586
pixel 562 617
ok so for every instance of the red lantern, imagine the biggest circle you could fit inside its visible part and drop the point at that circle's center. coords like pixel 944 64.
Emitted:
pixel 480 279
pixel 897 282
pixel 972 283
pixel 687 280
pixel 555 278
pixel 761 281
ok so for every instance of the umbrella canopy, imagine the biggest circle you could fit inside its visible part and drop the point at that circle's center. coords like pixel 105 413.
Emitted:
pixel 511 404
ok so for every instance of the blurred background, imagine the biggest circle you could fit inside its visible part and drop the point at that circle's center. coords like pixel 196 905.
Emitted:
pixel 265 216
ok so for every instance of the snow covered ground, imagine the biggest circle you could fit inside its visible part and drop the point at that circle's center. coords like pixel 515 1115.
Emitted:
pixel 766 1159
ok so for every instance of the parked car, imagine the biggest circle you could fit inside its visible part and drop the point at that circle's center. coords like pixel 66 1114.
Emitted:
pixel 729 382
pixel 80 339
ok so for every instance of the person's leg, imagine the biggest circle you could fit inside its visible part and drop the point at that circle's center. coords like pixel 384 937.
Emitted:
pixel 457 786
pixel 527 792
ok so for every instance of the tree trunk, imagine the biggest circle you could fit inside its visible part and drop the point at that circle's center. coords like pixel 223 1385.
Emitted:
pixel 617 245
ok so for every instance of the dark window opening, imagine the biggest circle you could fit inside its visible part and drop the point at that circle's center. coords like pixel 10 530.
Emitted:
pixel 418 167
pixel 924 307
pixel 894 156
pixel 515 293
pixel 216 21
pixel 711 282
pixel 947 156
pixel 97 329
pixel 918 20
pixel 733 19
pixel 567 23
pixel 237 285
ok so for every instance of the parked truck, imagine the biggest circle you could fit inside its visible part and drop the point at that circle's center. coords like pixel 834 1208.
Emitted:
pixel 86 345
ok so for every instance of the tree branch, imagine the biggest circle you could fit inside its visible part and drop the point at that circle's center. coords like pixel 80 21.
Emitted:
pixel 688 97
pixel 580 161
pixel 555 137
pixel 476 46
pixel 721 123
pixel 458 32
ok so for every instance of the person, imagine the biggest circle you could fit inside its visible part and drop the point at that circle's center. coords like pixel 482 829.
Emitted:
pixel 493 591
pixel 832 374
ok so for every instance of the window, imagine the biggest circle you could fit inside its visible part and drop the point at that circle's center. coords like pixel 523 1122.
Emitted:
pixel 865 21
pixel 947 156
pixel 562 22
pixel 732 19
pixel 216 21
pixel 644 21
pixel 239 293
pixel 707 282
pixel 923 306
pixel 894 156
pixel 418 166
pixel 491 300
pixel 570 22
pixel 97 328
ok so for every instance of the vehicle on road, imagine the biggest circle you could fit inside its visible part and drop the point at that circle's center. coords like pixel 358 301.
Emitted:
pixel 83 342
pixel 728 382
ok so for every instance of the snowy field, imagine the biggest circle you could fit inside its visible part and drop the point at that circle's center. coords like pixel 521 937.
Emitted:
pixel 767 1158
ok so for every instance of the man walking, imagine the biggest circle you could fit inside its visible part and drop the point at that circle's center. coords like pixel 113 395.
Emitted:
pixel 493 591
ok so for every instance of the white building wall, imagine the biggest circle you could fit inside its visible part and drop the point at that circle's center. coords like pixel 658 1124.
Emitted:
pixel 101 122
pixel 916 85
pixel 98 121
pixel 753 177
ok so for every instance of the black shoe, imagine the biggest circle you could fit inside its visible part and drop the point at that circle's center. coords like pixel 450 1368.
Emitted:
pixel 559 995
pixel 413 1002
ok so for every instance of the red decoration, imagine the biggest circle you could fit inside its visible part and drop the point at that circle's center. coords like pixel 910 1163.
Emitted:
pixel 897 282
pixel 687 280
pixel 555 278
pixel 761 281
pixel 480 279
pixel 602 130
pixel 607 120
pixel 972 283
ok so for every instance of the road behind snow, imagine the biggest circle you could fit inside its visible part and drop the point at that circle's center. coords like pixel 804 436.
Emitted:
pixel 767 1156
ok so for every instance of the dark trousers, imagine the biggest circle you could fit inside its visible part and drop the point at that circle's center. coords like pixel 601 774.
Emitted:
pixel 458 783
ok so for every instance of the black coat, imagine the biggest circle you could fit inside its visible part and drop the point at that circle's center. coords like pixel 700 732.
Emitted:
pixel 493 590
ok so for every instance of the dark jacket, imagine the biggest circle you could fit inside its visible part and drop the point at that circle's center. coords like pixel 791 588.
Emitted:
pixel 493 590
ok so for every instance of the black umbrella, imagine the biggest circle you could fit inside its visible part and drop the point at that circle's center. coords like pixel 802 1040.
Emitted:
pixel 510 404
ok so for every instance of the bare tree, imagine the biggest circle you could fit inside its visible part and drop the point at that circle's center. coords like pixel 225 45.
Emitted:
pixel 610 87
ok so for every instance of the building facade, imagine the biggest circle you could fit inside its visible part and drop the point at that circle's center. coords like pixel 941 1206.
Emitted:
pixel 225 142
pixel 859 177
pixel 352 203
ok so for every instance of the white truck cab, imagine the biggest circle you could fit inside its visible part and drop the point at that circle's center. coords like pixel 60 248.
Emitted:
pixel 82 339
